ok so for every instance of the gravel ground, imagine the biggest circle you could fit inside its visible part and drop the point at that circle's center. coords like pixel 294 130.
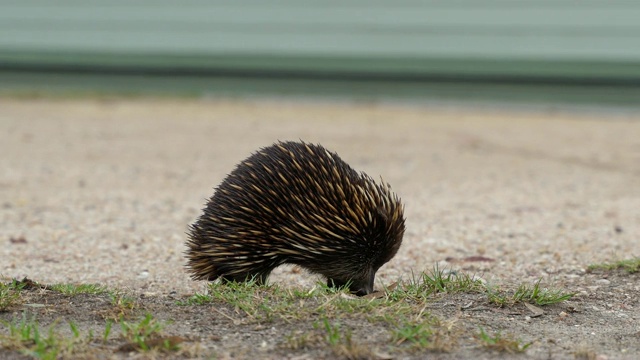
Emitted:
pixel 103 190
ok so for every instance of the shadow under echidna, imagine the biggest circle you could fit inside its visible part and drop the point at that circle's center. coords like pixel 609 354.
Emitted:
pixel 297 203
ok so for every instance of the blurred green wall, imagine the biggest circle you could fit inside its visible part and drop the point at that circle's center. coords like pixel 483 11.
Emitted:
pixel 466 48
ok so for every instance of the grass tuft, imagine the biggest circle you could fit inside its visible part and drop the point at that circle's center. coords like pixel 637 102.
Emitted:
pixel 145 335
pixel 418 334
pixel 300 340
pixel 438 280
pixel 501 343
pixel 527 293
pixel 26 336
pixel 629 265
pixel 341 342
pixel 122 306
pixel 10 294
pixel 425 332
pixel 77 289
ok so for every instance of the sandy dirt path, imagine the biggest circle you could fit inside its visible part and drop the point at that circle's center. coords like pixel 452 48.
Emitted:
pixel 103 190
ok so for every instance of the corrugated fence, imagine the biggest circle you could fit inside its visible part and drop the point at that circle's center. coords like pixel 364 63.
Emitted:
pixel 508 42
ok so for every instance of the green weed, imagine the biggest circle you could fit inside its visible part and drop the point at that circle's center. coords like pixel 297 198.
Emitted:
pixel 122 306
pixel 196 299
pixel 27 337
pixel 297 340
pixel 418 334
pixel 629 265
pixel 76 289
pixel 341 341
pixel 531 294
pixel 146 334
pixel 107 331
pixel 10 294
pixel 436 281
pixel 501 343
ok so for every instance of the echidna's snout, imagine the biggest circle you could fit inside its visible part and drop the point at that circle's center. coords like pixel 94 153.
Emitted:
pixel 359 287
pixel 364 288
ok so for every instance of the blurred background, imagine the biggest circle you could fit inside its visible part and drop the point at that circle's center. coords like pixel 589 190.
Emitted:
pixel 533 51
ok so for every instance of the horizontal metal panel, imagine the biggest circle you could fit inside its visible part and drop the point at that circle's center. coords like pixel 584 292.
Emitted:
pixel 390 17
pixel 319 44
pixel 584 51
pixel 589 30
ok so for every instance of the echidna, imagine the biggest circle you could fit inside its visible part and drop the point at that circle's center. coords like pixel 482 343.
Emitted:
pixel 296 203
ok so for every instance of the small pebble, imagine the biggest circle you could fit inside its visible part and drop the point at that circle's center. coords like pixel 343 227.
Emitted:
pixel 563 315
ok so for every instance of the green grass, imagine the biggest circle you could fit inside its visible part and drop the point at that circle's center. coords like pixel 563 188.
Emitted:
pixel 122 306
pixel 10 294
pixel 629 265
pixel 333 334
pixel 425 332
pixel 107 331
pixel 146 334
pixel 267 303
pixel 340 341
pixel 526 293
pixel 402 309
pixel 258 302
pixel 447 281
pixel 27 337
pixel 316 318
pixel 76 289
pixel 416 333
pixel 429 283
pixel 501 343
pixel 300 340
pixel 327 334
